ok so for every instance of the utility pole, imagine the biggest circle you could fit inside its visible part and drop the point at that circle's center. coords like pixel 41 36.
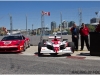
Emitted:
pixel 46 28
pixel 32 29
pixel 42 23
pixel 26 24
pixel 42 26
pixel 11 24
pixel 80 17
pixel 67 24
pixel 61 22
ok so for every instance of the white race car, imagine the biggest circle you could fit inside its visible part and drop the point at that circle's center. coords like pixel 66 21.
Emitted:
pixel 55 45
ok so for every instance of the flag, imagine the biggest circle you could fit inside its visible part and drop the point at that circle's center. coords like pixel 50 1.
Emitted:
pixel 46 13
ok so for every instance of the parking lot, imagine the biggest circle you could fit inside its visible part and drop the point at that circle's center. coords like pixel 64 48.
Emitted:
pixel 85 54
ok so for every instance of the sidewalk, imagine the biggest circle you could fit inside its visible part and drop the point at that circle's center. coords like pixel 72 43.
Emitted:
pixel 34 49
pixel 77 53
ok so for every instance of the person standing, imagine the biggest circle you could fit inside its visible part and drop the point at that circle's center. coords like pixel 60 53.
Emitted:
pixel 75 36
pixel 98 28
pixel 84 32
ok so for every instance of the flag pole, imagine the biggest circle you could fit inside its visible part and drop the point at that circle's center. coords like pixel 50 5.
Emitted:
pixel 61 23
pixel 41 27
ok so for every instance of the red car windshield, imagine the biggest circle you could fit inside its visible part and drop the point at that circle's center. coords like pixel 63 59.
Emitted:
pixel 12 38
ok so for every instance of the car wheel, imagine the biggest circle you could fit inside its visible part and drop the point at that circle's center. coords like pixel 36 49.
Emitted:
pixel 24 48
pixel 28 45
pixel 71 44
pixel 41 44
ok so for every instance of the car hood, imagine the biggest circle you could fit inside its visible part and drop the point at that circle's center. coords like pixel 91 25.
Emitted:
pixel 9 43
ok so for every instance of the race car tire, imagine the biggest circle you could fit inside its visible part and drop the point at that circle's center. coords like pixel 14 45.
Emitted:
pixel 44 40
pixel 71 44
pixel 41 44
pixel 39 49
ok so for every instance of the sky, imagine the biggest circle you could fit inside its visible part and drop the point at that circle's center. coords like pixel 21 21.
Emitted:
pixel 69 10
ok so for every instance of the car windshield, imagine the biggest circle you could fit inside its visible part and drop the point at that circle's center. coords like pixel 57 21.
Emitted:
pixel 12 38
pixel 64 33
pixel 58 33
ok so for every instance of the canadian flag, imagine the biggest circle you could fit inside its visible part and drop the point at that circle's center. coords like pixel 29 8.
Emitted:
pixel 46 13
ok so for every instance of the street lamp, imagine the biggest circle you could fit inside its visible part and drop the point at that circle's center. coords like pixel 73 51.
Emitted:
pixel 32 26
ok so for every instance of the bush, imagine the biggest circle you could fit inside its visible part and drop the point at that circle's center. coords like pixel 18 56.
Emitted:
pixel 69 32
pixel 91 28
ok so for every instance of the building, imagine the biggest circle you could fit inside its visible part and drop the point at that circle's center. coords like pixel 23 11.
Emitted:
pixel 94 21
pixel 71 23
pixel 53 26
pixel 39 31
pixel 64 24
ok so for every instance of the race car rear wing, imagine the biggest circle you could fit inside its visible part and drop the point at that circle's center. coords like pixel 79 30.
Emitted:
pixel 52 37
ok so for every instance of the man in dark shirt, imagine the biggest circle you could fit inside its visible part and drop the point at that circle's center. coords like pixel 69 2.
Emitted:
pixel 84 32
pixel 75 35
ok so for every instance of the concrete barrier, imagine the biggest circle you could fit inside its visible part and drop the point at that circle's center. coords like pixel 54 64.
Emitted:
pixel 34 40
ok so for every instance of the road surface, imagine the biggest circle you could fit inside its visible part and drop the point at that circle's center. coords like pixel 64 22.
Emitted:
pixel 29 63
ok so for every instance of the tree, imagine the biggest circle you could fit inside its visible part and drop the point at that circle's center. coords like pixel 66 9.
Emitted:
pixel 69 32
pixel 91 28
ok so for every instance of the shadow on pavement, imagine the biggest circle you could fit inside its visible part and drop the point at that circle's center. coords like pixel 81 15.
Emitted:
pixel 76 57
pixel 44 55
pixel 84 54
pixel 10 53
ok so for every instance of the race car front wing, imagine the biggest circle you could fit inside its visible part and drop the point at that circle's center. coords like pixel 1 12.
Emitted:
pixel 46 50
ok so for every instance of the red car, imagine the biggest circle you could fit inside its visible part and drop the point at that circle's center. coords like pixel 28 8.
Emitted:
pixel 14 43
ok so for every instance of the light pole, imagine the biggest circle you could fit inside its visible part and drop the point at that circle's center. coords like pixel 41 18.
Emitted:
pixel 46 28
pixel 26 24
pixel 32 26
pixel 67 24
pixel 11 24
pixel 80 17
pixel 61 22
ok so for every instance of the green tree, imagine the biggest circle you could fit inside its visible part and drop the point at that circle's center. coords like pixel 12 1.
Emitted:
pixel 91 28
pixel 69 32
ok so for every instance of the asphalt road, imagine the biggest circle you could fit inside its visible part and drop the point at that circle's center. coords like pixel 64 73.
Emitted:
pixel 22 64
pixel 28 63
